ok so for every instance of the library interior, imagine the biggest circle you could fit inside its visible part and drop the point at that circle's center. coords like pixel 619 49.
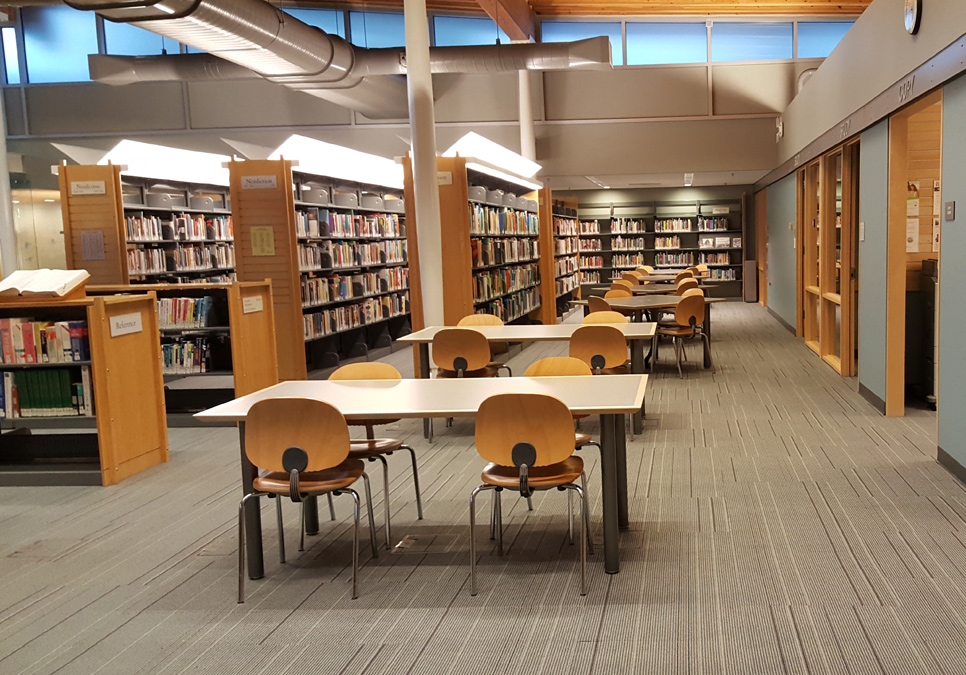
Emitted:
pixel 383 262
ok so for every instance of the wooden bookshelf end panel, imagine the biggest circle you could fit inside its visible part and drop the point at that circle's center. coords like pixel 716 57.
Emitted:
pixel 253 349
pixel 94 213
pixel 128 386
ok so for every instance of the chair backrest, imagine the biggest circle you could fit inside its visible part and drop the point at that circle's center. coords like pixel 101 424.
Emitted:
pixel 690 306
pixel 622 283
pixel 274 425
pixel 703 267
pixel 558 366
pixel 618 293
pixel 367 370
pixel 531 429
pixel 610 316
pixel 599 346
pixel 685 284
pixel 645 269
pixel 597 304
pixel 480 320
pixel 460 349
pixel 642 271
pixel 632 277
pixel 693 291
pixel 686 274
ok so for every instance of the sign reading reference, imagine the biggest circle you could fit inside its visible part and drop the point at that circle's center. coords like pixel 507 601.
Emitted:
pixel 252 304
pixel 87 187
pixel 258 183
pixel 444 177
pixel 125 324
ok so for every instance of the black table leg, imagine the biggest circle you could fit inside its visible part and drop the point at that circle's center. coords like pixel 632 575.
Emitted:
pixel 311 515
pixel 707 330
pixel 620 438
pixel 637 367
pixel 608 475
pixel 253 515
pixel 424 375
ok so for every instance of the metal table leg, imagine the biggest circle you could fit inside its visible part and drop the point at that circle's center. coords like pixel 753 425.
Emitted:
pixel 707 330
pixel 424 375
pixel 637 367
pixel 608 474
pixel 253 516
pixel 311 515
pixel 620 438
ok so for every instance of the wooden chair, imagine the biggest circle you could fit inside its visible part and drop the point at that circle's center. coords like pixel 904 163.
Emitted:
pixel 495 347
pixel 595 303
pixel 618 293
pixel 601 347
pixel 527 440
pixel 462 352
pixel 609 316
pixel 622 283
pixel 564 366
pixel 373 448
pixel 685 284
pixel 686 274
pixel 303 444
pixel 703 268
pixel 632 277
pixel 689 320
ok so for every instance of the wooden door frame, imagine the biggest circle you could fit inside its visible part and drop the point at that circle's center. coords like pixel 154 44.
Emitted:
pixel 850 199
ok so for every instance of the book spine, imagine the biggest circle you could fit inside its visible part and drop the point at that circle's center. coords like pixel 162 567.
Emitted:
pixel 6 345
pixel 8 394
pixel 86 384
pixel 27 336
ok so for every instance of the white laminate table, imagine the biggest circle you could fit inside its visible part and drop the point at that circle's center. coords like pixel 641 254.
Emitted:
pixel 609 397
pixel 637 335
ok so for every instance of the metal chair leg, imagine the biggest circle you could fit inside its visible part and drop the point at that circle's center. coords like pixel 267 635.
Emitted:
pixel 281 529
pixel 707 339
pixel 499 523
pixel 372 520
pixel 473 529
pixel 241 544
pixel 355 542
pixel 586 512
pixel 331 506
pixel 529 504
pixel 583 539
pixel 385 497
pixel 493 517
pixel 677 356
pixel 419 499
pixel 570 518
pixel 508 370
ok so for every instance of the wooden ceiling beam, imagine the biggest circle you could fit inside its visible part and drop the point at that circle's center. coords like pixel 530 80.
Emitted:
pixel 514 17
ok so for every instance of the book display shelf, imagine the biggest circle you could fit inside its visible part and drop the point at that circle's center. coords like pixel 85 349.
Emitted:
pixel 336 254
pixel 560 266
pixel 72 365
pixel 491 236
pixel 217 340
pixel 618 238
pixel 131 230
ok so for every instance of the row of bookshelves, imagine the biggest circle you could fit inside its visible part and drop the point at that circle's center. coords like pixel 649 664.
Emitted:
pixel 502 220
pixel 564 266
pixel 177 313
pixel 512 307
pixel 566 284
pixel 149 228
pixel 185 356
pixel 48 392
pixel 564 226
pixel 343 254
pixel 491 284
pixel 488 251
pixel 24 341
pixel 566 245
pixel 314 222
pixel 187 258
pixel 347 317
pixel 318 291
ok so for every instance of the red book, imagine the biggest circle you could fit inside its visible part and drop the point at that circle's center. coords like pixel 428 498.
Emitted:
pixel 29 348
pixel 6 342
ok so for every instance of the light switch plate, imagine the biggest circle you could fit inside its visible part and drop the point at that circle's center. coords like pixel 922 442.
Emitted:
pixel 950 211
pixel 862 231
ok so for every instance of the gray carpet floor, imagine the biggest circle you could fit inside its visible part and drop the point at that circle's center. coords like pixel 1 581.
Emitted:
pixel 778 524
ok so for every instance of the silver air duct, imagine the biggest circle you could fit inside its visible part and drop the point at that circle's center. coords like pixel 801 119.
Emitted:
pixel 258 37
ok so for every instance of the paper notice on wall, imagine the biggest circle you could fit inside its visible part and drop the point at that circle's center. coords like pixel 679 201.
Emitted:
pixel 935 234
pixel 912 198
pixel 937 198
pixel 912 235
pixel 263 240
pixel 92 245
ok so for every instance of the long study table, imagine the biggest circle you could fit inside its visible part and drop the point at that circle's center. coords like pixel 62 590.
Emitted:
pixel 610 397
pixel 637 335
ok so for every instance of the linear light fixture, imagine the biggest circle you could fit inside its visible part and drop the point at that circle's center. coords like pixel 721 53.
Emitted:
pixel 597 183
pixel 147 160
pixel 476 146
pixel 489 170
pixel 336 161
pixel 688 179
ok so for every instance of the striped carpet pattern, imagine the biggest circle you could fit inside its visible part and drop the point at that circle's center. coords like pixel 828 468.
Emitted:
pixel 779 524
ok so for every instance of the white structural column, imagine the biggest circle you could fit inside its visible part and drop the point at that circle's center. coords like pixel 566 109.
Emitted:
pixel 422 125
pixel 8 235
pixel 528 141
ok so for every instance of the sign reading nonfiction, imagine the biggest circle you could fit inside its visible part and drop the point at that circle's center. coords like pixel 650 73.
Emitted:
pixel 259 182
pixel 87 187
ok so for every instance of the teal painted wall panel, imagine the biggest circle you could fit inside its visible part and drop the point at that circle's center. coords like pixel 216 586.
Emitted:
pixel 781 251
pixel 874 212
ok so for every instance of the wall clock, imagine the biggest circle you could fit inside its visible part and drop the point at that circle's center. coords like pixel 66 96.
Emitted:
pixel 912 15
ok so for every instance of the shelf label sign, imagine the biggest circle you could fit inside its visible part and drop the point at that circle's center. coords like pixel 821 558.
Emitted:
pixel 258 183
pixel 252 304
pixel 444 177
pixel 87 187
pixel 126 324
pixel 719 210
pixel 263 241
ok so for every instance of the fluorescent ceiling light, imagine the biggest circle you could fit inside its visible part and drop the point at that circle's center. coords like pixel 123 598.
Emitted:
pixel 475 146
pixel 161 162
pixel 597 183
pixel 688 179
pixel 502 175
pixel 336 161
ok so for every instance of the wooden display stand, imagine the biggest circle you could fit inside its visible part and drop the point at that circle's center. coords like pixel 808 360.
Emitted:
pixel 128 398
pixel 457 241
pixel 91 204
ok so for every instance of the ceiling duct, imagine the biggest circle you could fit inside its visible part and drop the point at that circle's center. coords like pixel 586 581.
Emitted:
pixel 268 42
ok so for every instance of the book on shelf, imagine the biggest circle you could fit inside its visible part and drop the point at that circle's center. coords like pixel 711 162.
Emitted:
pixel 50 392
pixel 42 283
pixel 24 341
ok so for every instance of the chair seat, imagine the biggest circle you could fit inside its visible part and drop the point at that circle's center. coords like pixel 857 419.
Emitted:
pixel 486 371
pixel 581 439
pixel 336 478
pixel 539 477
pixel 616 370
pixel 364 449
pixel 675 330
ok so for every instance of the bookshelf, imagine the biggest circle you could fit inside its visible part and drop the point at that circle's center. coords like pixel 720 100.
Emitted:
pixel 336 254
pixel 491 244
pixel 130 230
pixel 617 238
pixel 559 270
pixel 209 333
pixel 114 403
